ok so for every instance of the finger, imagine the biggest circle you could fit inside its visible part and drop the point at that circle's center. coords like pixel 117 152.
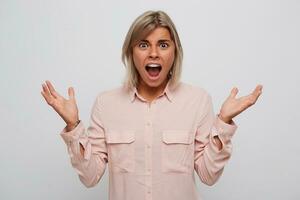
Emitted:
pixel 71 93
pixel 258 90
pixel 233 92
pixel 46 90
pixel 51 89
pixel 252 98
pixel 46 97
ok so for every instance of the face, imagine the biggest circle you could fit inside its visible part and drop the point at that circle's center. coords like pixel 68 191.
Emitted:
pixel 153 57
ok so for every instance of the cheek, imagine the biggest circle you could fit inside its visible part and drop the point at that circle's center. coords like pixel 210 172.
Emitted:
pixel 138 58
pixel 170 58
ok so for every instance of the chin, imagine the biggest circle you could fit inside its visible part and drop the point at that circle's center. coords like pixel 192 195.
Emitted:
pixel 155 83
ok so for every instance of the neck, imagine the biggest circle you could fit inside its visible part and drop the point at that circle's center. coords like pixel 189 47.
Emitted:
pixel 150 93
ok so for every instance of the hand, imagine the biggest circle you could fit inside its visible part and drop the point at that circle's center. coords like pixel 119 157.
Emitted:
pixel 234 106
pixel 66 108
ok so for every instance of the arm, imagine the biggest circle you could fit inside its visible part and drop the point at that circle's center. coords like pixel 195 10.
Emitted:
pixel 212 144
pixel 216 138
pixel 87 148
pixel 69 128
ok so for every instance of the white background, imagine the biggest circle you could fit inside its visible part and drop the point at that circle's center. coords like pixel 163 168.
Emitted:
pixel 78 43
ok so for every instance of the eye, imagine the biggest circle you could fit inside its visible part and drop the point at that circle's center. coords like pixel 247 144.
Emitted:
pixel 164 45
pixel 143 45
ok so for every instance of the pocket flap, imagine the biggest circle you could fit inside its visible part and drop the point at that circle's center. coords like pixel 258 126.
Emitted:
pixel 177 136
pixel 120 137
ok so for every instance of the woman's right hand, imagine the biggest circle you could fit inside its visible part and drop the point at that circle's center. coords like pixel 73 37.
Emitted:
pixel 66 108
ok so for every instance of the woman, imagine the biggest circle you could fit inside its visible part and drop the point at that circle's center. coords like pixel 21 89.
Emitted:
pixel 153 131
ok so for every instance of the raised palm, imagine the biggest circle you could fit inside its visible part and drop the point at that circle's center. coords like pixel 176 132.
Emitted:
pixel 66 108
pixel 234 106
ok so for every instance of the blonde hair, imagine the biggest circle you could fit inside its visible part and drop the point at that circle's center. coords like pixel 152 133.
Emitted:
pixel 140 28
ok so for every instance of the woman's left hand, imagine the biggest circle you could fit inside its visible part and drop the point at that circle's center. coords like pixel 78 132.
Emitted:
pixel 234 106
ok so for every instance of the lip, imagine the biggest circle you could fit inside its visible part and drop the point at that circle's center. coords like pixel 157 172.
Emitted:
pixel 152 63
pixel 151 77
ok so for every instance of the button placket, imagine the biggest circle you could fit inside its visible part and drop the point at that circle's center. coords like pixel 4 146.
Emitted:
pixel 148 150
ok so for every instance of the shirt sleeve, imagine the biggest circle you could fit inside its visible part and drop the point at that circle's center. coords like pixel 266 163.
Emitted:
pixel 91 166
pixel 209 160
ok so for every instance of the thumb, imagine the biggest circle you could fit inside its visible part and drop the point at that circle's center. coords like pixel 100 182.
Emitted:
pixel 71 92
pixel 233 92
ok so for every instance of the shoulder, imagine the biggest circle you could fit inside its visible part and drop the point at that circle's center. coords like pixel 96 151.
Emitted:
pixel 194 90
pixel 110 94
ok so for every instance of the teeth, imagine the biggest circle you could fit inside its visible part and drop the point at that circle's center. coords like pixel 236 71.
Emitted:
pixel 153 65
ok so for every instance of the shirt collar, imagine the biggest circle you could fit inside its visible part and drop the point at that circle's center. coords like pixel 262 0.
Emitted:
pixel 133 93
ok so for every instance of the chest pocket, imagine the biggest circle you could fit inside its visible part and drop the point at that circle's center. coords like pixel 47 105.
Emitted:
pixel 177 151
pixel 121 150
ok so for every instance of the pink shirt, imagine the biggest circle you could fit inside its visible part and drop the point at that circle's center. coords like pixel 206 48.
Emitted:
pixel 152 149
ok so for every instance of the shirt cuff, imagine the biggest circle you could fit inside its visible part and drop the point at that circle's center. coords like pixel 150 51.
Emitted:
pixel 72 135
pixel 224 130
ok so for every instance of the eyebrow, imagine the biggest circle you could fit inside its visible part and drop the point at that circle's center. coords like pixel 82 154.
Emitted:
pixel 162 40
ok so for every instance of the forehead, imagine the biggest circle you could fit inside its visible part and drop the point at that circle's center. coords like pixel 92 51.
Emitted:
pixel 158 34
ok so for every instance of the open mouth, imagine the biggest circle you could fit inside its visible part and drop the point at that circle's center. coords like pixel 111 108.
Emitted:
pixel 153 69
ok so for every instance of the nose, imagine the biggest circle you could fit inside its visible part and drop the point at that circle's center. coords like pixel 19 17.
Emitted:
pixel 153 53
